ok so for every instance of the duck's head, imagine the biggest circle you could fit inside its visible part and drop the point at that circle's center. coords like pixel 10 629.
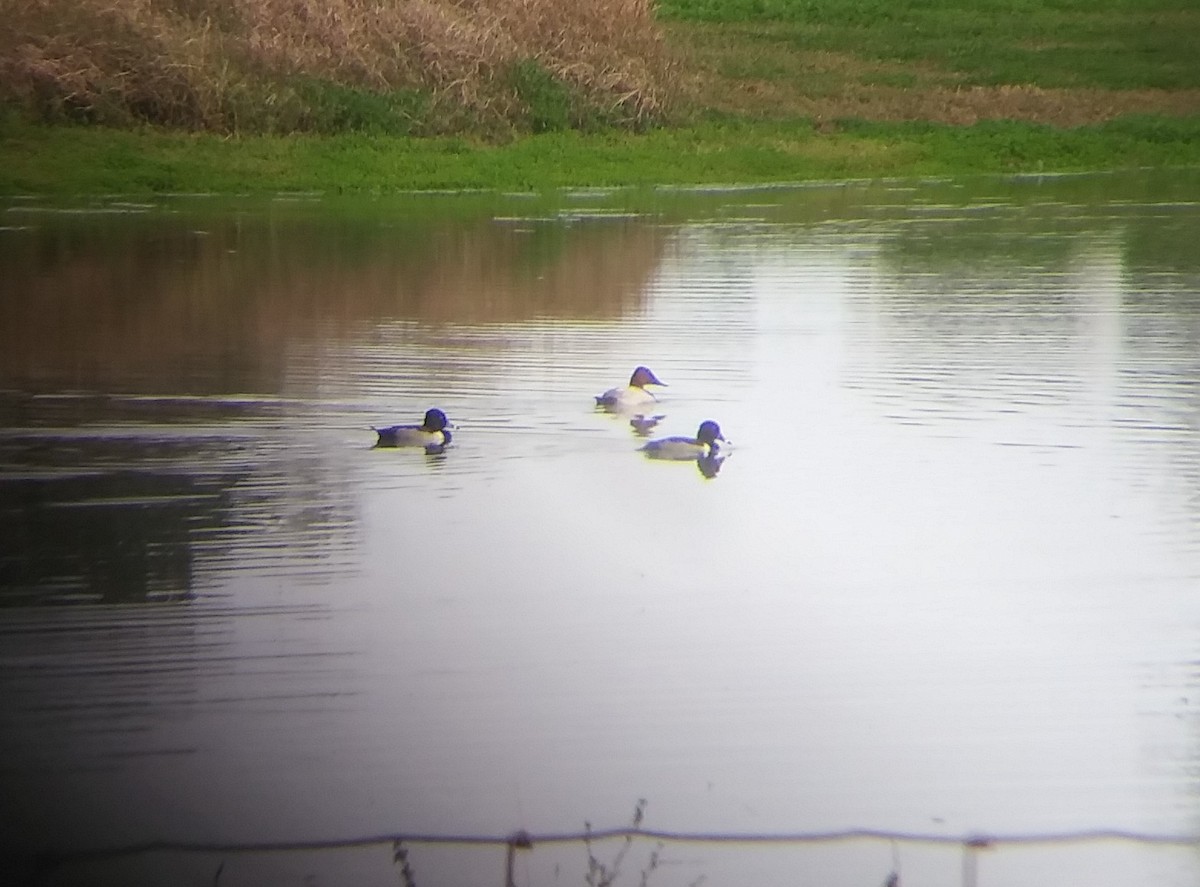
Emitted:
pixel 642 377
pixel 709 433
pixel 435 420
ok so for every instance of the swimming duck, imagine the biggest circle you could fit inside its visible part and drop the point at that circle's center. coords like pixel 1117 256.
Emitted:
pixel 687 449
pixel 433 433
pixel 632 395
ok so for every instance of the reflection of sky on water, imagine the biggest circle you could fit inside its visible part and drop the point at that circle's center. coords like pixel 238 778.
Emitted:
pixel 942 582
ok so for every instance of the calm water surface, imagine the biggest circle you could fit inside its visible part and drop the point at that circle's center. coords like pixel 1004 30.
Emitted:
pixel 947 580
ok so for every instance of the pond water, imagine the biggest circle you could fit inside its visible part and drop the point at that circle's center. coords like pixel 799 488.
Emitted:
pixel 945 582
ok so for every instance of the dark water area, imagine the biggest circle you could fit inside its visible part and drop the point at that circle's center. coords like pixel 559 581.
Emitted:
pixel 943 582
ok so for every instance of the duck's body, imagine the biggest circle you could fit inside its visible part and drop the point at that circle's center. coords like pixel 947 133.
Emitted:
pixel 687 449
pixel 633 395
pixel 432 433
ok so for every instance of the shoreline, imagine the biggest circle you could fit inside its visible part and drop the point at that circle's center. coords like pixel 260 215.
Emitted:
pixel 73 160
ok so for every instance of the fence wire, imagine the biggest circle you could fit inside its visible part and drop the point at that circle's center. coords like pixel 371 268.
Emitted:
pixel 523 840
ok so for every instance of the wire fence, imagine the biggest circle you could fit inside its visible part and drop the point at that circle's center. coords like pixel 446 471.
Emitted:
pixel 970 844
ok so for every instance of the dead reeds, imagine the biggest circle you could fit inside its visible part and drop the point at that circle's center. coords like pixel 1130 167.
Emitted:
pixel 286 65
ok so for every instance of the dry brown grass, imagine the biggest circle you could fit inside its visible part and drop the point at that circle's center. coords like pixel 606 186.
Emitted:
pixel 224 64
pixel 955 105
pixel 788 82
pixel 427 66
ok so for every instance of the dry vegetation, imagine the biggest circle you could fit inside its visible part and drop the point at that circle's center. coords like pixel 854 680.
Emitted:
pixel 786 81
pixel 283 65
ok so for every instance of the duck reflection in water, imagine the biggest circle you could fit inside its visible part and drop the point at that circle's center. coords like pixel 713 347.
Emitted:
pixel 642 424
pixel 709 465
pixel 703 449
pixel 433 434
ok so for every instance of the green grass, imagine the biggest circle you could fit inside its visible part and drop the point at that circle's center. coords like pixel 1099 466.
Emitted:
pixel 1114 44
pixel 89 160
pixel 788 90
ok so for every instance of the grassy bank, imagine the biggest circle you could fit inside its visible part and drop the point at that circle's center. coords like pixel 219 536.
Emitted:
pixel 1066 63
pixel 55 160
pixel 280 66
pixel 727 91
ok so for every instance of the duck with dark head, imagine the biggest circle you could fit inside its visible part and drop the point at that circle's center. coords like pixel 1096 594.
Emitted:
pixel 687 449
pixel 433 433
pixel 631 396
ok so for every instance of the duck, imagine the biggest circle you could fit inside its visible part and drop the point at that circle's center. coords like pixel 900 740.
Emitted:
pixel 687 449
pixel 433 433
pixel 632 395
